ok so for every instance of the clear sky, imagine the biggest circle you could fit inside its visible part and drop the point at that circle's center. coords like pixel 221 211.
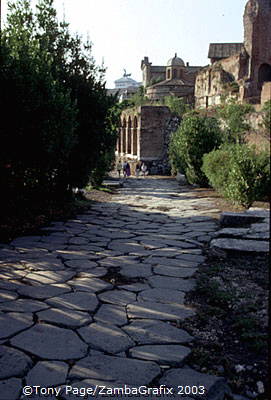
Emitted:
pixel 124 31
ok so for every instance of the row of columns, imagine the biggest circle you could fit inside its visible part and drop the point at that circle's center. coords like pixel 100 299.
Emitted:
pixel 127 142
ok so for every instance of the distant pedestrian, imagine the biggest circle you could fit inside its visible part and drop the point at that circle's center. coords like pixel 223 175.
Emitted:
pixel 124 166
pixel 119 168
pixel 137 169
pixel 144 169
pixel 128 169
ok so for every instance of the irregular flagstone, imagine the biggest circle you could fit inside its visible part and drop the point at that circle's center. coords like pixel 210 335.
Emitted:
pixel 65 317
pixel 46 263
pixel 23 306
pixel 13 363
pixel 93 272
pixel 116 262
pixel 120 297
pixel 173 262
pixel 152 310
pixel 10 389
pixel 78 240
pixel 115 369
pixel 47 374
pixel 25 240
pixel 11 323
pixel 76 301
pixel 172 283
pixel 214 387
pixel 92 285
pixel 146 331
pixel 191 257
pixel 134 287
pixel 6 295
pixel 174 271
pixel 50 342
pixel 7 272
pixel 167 353
pixel 43 292
pixel 171 251
pixel 78 254
pixel 136 270
pixel 111 314
pixel 162 296
pixel 125 246
pixel 81 264
pixel 106 337
pixel 48 277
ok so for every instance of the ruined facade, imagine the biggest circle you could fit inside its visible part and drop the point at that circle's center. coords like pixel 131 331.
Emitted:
pixel 144 137
pixel 174 79
pixel 240 70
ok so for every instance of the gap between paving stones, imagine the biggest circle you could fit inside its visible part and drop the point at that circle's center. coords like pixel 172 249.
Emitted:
pixel 102 296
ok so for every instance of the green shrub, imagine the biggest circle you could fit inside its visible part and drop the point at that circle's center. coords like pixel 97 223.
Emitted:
pixel 233 116
pixel 239 173
pixel 267 116
pixel 176 105
pixel 196 136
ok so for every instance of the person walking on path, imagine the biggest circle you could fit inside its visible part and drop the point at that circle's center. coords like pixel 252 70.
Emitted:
pixel 119 168
pixel 137 169
pixel 128 169
pixel 124 165
pixel 144 169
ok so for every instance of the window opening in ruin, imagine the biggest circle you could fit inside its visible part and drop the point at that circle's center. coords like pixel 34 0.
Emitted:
pixel 168 74
pixel 124 136
pixel 264 74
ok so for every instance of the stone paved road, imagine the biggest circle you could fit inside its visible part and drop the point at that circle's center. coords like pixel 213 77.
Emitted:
pixel 98 300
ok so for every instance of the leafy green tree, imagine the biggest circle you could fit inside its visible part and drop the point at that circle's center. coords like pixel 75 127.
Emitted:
pixel 196 136
pixel 267 116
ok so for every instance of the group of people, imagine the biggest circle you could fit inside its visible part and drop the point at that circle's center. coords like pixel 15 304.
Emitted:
pixel 140 169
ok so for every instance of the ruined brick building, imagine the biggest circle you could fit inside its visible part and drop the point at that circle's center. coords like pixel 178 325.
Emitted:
pixel 240 70
pixel 237 70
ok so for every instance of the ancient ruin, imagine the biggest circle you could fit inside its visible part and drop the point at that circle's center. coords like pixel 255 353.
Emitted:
pixel 240 70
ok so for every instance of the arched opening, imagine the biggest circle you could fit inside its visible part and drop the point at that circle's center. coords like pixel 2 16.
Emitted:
pixel 264 74
pixel 168 74
pixel 123 136
pixel 129 136
pixel 134 150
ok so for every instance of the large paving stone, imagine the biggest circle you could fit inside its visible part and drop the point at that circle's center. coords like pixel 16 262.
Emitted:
pixel 170 354
pixel 156 332
pixel 13 362
pixel 162 296
pixel 256 246
pixel 178 272
pixel 125 246
pixel 10 389
pixel 11 323
pixel 50 342
pixel 152 310
pixel 48 374
pixel 116 262
pixel 172 262
pixel 24 305
pixel 105 337
pixel 191 257
pixel 43 292
pixel 76 301
pixel 65 317
pixel 120 297
pixel 115 369
pixel 81 264
pixel 215 387
pixel 93 273
pixel 6 295
pixel 172 283
pixel 111 314
pixel 134 287
pixel 136 270
pixel 49 277
pixel 91 285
